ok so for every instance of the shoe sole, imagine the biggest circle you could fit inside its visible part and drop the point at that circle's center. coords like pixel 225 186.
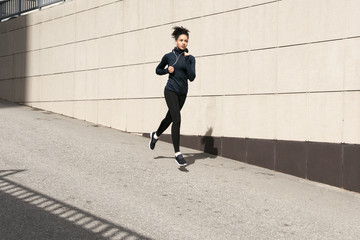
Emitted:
pixel 181 165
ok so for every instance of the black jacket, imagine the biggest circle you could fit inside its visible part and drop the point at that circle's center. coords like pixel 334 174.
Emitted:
pixel 184 69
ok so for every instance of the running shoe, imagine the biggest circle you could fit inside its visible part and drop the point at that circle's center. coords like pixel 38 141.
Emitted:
pixel 152 141
pixel 180 160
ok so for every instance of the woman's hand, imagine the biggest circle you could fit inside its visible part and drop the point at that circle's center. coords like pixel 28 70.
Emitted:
pixel 171 69
pixel 186 54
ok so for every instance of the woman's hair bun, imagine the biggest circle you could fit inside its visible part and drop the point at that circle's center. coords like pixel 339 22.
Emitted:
pixel 178 31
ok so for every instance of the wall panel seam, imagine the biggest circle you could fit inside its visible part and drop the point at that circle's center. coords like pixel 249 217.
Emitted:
pixel 198 56
pixel 189 96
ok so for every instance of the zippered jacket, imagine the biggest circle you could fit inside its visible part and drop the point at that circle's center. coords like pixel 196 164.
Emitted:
pixel 184 70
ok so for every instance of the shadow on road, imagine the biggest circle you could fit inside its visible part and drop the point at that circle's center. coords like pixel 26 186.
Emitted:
pixel 27 214
pixel 190 158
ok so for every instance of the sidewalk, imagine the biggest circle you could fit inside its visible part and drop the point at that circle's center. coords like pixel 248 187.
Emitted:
pixel 61 178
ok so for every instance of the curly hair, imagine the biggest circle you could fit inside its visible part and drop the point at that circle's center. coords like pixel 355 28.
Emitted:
pixel 179 31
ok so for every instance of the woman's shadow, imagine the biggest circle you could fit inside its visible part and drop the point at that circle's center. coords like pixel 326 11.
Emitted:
pixel 209 151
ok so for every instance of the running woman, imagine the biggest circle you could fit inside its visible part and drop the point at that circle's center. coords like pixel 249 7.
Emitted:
pixel 181 68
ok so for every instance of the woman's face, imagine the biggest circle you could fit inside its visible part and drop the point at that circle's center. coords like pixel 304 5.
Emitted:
pixel 182 42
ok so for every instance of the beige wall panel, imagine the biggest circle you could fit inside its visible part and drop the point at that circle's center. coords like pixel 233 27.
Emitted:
pixel 51 35
pixel 32 63
pixel 293 22
pixel 4 26
pixel 79 110
pixel 46 90
pixel 105 113
pixel 235 73
pixel 193 121
pixel 351 117
pixel 6 67
pixel 134 115
pixel 210 7
pixel 210 45
pixel 92 54
pixel 34 18
pixel 7 42
pixel 118 119
pixel 293 69
pixel 152 115
pixel 91 111
pixel 291 115
pixel 134 47
pixel 87 25
pixel 16 23
pixel 134 81
pixel 352 18
pixel 92 84
pixel 196 38
pixel 19 44
pixel 210 77
pixel 262 71
pixel 326 66
pixel 326 19
pixel 18 91
pixel 68 7
pixel 8 26
pixel 57 60
pixel 261 116
pixel 263 26
pixel 133 21
pixel 33 88
pixel 158 42
pixel 64 108
pixel 325 114
pixel 110 51
pixel 58 87
pixel 33 37
pixel 20 64
pixel 6 87
pixel 234 113
pixel 112 83
pixel 52 12
pixel 230 5
pixel 38 105
pixel 110 18
pixel 200 116
pixel 153 84
pixel 86 85
pixel 80 79
pixel 81 5
pixel 212 112
pixel 182 11
pixel 96 3
pixel 236 31
pixel 157 12
pixel 81 50
pixel 352 64
pixel 48 106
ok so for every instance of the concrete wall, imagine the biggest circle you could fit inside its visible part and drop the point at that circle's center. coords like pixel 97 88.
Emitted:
pixel 282 69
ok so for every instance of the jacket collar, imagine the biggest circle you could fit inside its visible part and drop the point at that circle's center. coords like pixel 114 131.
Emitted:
pixel 179 51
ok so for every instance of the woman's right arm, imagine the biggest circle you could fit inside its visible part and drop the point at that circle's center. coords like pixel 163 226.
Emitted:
pixel 160 69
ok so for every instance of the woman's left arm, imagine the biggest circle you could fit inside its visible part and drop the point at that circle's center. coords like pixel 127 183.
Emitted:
pixel 190 67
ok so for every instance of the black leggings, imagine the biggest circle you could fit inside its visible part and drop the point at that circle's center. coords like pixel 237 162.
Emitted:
pixel 174 102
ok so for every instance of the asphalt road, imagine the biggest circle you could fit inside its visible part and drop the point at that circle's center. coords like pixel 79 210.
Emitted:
pixel 61 178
